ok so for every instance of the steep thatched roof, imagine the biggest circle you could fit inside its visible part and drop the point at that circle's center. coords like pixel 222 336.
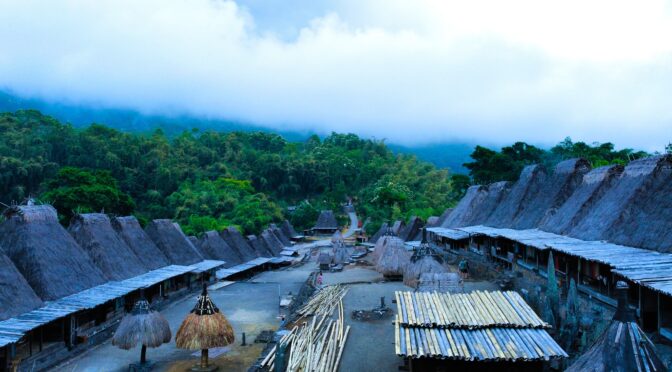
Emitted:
pixel 326 221
pixel 280 235
pixel 647 221
pixel 394 258
pixel 635 211
pixel 379 233
pixel 94 233
pixel 259 246
pixel 380 245
pixel 556 189
pixel 426 265
pixel 412 231
pixel 16 296
pixel 217 249
pixel 288 230
pixel 432 221
pixel 397 227
pixel 130 231
pixel 623 346
pixel 594 185
pixel 444 216
pixel 45 254
pixel 170 239
pixel 235 240
pixel 531 180
pixel 272 242
pixel 467 207
pixel 494 194
pixel 341 254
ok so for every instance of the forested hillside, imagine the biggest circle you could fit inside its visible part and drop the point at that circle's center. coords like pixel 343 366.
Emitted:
pixel 208 179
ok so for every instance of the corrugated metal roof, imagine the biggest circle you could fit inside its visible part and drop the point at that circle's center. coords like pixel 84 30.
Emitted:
pixel 478 309
pixel 206 265
pixel 476 326
pixel 11 330
pixel 453 234
pixel 225 273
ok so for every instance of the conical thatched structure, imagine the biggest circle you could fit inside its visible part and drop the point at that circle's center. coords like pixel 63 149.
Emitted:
pixel 143 326
pixel 259 246
pixel 217 249
pixel 137 239
pixel 46 255
pixel 494 194
pixel 284 239
pixel 468 206
pixel 444 216
pixel 394 258
pixel 204 328
pixel 623 346
pixel 380 245
pixel 411 231
pixel 94 233
pixel 170 239
pixel 326 222
pixel 528 186
pixel 16 296
pixel 397 227
pixel 379 234
pixel 288 229
pixel 341 254
pixel 235 240
pixel 425 265
pixel 272 242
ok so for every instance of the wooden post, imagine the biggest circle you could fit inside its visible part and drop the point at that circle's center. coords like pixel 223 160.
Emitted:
pixel 204 358
pixel 143 354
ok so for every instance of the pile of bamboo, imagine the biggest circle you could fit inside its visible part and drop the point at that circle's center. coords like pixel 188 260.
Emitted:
pixel 316 344
pixel 324 302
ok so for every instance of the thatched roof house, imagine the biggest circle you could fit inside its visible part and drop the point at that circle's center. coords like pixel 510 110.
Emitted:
pixel 16 296
pixel 326 223
pixel 284 239
pixel 463 212
pixel 94 233
pixel 397 226
pixel 394 258
pixel 531 180
pixel 432 221
pixel 272 242
pixel 623 346
pixel 259 246
pixel 46 255
pixel 235 240
pixel 557 188
pixel 383 229
pixel 635 212
pixel 412 231
pixel 217 249
pixel 289 231
pixel 444 216
pixel 494 194
pixel 130 231
pixel 424 265
pixel 593 186
pixel 170 239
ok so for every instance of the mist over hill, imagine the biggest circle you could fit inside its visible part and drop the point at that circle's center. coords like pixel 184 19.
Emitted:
pixel 443 155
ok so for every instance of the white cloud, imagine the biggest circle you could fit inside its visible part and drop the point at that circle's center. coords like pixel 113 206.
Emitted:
pixel 410 71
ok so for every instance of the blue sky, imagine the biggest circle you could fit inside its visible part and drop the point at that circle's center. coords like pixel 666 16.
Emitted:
pixel 413 72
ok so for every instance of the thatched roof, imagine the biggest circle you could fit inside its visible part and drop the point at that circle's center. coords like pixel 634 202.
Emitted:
pixel 397 226
pixel 426 265
pixel 142 326
pixel 170 239
pixel 130 231
pixel 326 221
pixel 636 210
pixel 341 254
pixel 467 207
pixel 444 216
pixel 288 229
pixel 235 240
pixel 380 245
pixel 205 327
pixel 259 246
pixel 531 180
pixel 412 230
pixel 281 236
pixel 46 255
pixel 272 242
pixel 394 258
pixel 16 296
pixel 379 233
pixel 432 221
pixel 593 186
pixel 623 346
pixel 556 189
pixel 94 233
pixel 217 249
pixel 494 194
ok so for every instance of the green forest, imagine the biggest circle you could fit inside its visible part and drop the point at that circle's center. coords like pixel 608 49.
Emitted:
pixel 209 180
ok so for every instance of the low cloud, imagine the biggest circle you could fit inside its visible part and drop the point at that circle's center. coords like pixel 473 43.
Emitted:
pixel 409 71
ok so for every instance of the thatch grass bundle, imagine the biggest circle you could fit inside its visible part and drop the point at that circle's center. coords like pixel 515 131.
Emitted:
pixel 205 327
pixel 394 258
pixel 426 264
pixel 142 326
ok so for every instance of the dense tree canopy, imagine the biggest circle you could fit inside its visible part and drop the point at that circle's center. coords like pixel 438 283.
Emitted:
pixel 209 179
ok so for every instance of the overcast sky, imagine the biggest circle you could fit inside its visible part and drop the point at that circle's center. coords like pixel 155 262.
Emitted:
pixel 411 71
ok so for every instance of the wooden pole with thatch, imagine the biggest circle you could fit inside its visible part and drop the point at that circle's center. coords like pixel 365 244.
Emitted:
pixel 142 325
pixel 204 328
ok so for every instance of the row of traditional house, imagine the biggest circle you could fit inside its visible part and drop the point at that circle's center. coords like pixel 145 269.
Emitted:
pixel 63 290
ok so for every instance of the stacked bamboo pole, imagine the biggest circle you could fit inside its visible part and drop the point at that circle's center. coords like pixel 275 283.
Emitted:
pixel 317 344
